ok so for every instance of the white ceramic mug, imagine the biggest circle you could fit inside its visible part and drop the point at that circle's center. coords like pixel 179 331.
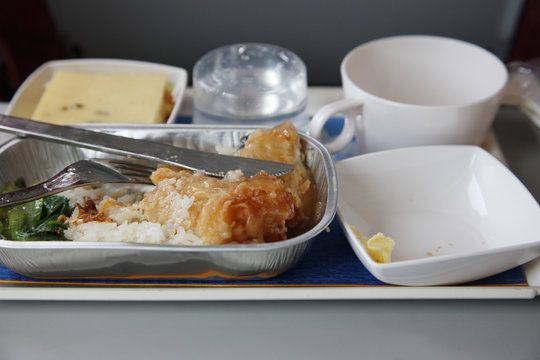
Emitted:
pixel 415 90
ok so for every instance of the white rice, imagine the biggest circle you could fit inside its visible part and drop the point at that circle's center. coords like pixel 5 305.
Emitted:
pixel 123 193
pixel 143 232
pixel 128 223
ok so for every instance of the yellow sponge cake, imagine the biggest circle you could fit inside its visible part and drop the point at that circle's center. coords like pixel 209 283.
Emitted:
pixel 76 97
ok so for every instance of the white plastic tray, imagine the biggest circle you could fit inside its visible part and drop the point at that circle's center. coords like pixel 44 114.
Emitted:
pixel 317 97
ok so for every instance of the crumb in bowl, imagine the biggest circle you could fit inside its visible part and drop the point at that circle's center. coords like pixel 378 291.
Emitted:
pixel 191 208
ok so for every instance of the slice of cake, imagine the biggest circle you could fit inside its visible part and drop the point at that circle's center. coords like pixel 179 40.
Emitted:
pixel 76 97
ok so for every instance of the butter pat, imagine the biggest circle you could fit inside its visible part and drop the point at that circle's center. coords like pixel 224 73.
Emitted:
pixel 73 97
pixel 379 246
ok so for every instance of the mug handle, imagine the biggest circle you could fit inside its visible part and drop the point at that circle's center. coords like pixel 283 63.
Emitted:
pixel 349 127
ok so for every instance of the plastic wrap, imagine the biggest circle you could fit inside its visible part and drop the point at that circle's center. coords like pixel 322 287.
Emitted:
pixel 523 88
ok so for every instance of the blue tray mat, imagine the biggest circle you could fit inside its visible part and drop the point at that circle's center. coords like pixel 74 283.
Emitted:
pixel 330 261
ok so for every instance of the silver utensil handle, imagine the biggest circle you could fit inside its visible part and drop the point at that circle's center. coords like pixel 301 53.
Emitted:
pixel 52 186
pixel 82 138
pixel 210 163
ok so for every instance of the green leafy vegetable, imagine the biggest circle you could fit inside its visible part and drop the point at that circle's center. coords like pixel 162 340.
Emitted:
pixel 34 220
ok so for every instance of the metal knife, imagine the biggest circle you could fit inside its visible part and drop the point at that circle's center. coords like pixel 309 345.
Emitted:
pixel 210 163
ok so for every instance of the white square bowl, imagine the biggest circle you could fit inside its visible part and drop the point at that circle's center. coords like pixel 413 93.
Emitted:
pixel 27 96
pixel 456 213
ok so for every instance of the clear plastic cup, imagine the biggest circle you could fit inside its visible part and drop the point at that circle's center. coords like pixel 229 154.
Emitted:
pixel 250 84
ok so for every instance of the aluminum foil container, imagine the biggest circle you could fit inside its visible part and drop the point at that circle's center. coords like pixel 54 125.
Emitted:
pixel 37 160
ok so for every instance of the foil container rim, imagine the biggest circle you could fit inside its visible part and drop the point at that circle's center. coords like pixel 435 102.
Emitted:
pixel 327 215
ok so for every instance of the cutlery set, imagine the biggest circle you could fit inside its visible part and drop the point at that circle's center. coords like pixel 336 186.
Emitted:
pixel 82 173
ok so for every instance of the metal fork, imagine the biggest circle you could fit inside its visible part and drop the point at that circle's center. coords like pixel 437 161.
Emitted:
pixel 82 173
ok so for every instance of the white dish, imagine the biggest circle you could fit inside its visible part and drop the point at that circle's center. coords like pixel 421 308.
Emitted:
pixel 455 212
pixel 28 94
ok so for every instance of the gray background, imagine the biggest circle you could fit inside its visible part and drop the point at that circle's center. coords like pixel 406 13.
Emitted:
pixel 310 330
pixel 320 32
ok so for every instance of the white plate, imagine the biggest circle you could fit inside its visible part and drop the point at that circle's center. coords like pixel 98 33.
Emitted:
pixel 455 212
pixel 28 94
